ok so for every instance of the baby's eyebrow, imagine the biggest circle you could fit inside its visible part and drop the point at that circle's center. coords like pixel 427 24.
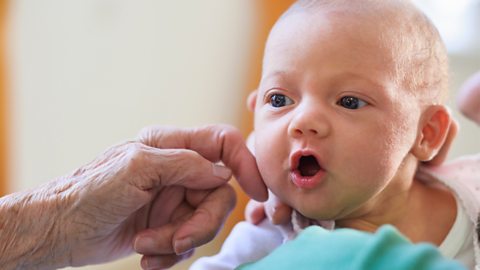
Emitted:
pixel 372 82
pixel 280 79
pixel 275 74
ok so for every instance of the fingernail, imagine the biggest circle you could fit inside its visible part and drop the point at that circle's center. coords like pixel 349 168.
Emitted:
pixel 143 244
pixel 222 171
pixel 144 264
pixel 150 263
pixel 183 246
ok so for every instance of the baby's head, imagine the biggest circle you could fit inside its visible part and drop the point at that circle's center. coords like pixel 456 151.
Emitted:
pixel 348 103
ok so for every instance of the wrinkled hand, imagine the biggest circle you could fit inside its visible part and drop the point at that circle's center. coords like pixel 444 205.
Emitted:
pixel 161 196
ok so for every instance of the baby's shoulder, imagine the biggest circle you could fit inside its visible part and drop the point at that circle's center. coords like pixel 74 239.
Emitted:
pixel 464 169
pixel 461 176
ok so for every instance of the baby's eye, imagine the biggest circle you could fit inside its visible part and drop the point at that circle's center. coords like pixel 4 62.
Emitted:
pixel 279 100
pixel 351 103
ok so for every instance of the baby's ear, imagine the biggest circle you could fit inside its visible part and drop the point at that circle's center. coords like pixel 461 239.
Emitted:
pixel 433 131
pixel 252 100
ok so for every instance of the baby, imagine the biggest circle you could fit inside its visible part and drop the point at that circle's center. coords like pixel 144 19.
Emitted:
pixel 349 103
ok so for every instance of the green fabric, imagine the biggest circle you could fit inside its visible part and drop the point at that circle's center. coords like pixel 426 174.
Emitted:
pixel 387 249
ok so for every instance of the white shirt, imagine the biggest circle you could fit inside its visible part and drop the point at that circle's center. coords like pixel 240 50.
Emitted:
pixel 458 243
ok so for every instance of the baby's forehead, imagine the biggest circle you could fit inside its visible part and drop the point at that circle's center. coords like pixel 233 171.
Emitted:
pixel 403 35
pixel 381 24
pixel 324 39
pixel 391 16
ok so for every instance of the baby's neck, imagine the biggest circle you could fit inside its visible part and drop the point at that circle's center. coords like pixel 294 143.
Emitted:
pixel 417 217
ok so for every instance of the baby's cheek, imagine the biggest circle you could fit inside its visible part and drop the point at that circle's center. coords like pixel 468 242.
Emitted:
pixel 395 148
pixel 266 162
pixel 269 163
pixel 383 155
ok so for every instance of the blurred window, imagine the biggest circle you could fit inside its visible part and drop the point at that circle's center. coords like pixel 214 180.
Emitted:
pixel 457 21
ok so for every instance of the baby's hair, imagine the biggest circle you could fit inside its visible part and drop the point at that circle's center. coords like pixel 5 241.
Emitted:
pixel 419 54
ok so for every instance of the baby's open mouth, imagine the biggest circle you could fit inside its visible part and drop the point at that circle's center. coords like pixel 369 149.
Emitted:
pixel 306 170
pixel 308 166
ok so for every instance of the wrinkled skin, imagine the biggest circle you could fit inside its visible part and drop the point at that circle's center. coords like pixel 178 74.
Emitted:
pixel 161 195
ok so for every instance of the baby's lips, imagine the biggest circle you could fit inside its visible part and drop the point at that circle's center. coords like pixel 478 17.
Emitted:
pixel 297 155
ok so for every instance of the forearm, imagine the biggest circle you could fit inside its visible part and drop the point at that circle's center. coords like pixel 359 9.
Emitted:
pixel 32 235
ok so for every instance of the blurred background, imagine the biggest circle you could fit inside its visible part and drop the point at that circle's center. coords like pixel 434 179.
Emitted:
pixel 78 76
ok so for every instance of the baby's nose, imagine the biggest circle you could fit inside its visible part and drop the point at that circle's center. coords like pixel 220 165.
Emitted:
pixel 299 131
pixel 309 123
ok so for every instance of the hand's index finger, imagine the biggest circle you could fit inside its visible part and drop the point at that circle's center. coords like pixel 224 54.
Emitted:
pixel 215 143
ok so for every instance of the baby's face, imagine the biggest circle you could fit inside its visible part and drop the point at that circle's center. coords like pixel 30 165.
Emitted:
pixel 332 128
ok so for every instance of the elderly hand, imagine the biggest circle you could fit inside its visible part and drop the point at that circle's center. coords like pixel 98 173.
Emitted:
pixel 161 195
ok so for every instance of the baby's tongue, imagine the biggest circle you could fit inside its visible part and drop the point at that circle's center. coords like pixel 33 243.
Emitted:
pixel 308 166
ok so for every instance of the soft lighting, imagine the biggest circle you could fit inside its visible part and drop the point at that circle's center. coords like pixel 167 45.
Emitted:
pixel 456 21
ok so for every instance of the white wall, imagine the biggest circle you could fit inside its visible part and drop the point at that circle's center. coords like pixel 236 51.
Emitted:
pixel 91 73
pixel 88 74
pixel 468 139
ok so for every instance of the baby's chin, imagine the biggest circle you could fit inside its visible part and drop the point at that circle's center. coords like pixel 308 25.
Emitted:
pixel 316 213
